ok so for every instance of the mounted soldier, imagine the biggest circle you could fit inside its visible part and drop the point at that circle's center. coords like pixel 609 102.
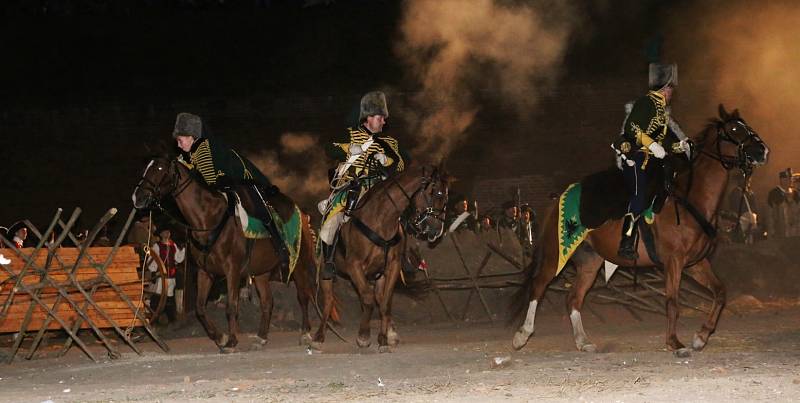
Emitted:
pixel 647 135
pixel 366 158
pixel 224 169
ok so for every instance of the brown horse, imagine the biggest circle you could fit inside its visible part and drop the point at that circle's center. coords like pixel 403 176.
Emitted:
pixel 219 247
pixel 373 243
pixel 726 143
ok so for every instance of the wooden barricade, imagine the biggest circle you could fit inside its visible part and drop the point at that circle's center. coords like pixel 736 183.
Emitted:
pixel 50 287
pixel 121 270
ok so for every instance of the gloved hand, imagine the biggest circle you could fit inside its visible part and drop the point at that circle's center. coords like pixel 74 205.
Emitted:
pixel 681 146
pixel 355 149
pixel 381 157
pixel 657 150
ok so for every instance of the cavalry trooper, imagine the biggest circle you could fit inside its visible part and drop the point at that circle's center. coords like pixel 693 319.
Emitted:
pixel 366 158
pixel 224 168
pixel 643 145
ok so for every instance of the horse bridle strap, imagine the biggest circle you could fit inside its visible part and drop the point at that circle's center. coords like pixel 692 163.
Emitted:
pixel 214 235
pixel 697 215
pixel 377 239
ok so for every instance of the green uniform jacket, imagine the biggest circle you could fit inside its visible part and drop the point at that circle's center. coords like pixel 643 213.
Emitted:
pixel 395 159
pixel 647 123
pixel 218 163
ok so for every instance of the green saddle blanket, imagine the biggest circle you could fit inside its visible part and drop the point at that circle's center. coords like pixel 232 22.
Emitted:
pixel 291 231
pixel 571 231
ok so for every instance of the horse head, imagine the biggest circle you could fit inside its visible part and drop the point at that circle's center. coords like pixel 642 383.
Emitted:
pixel 734 142
pixel 429 203
pixel 161 178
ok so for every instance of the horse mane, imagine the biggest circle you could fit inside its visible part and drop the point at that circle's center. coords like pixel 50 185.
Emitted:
pixel 194 175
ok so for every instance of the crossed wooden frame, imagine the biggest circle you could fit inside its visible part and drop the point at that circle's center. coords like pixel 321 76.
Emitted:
pixel 85 288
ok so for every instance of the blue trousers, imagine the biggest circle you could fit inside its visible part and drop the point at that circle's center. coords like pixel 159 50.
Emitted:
pixel 636 182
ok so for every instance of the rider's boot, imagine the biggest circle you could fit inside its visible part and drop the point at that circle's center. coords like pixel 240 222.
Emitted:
pixel 328 266
pixel 352 199
pixel 627 246
pixel 271 225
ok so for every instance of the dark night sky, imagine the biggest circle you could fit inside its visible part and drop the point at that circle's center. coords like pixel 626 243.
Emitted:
pixel 84 86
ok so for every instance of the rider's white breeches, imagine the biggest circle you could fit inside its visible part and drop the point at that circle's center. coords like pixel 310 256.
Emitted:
pixel 328 231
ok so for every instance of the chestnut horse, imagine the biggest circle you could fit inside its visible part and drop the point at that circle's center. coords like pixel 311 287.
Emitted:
pixel 727 143
pixel 372 243
pixel 220 248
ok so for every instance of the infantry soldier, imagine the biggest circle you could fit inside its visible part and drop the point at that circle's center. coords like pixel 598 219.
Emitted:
pixel 460 217
pixel 783 201
pixel 223 167
pixel 510 217
pixel 641 148
pixel 366 158
pixel 171 254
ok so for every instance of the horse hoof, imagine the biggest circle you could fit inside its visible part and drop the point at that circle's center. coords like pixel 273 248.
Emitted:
pixel 698 343
pixel 393 341
pixel 227 350
pixel 305 339
pixel 683 352
pixel 363 343
pixel 520 340
pixel 588 348
pixel 384 349
pixel 223 340
pixel 315 345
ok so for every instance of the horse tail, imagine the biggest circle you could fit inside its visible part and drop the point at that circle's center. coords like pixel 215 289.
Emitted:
pixel 521 298
pixel 310 242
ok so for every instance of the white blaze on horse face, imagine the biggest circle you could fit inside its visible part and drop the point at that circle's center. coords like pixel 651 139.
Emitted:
pixel 143 175
pixel 530 317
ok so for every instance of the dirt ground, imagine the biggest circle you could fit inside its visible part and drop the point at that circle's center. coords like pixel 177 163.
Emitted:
pixel 754 356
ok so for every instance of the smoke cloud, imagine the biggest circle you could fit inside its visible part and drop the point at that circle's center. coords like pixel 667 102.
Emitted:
pixel 290 168
pixel 457 50
pixel 746 54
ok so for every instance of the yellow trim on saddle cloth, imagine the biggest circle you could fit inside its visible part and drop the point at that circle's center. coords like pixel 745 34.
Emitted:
pixel 569 210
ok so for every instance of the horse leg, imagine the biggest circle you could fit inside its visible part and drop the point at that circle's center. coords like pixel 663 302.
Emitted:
pixel 587 264
pixel 672 275
pixel 265 299
pixel 232 310
pixel 702 273
pixel 546 272
pixel 304 295
pixel 367 302
pixel 327 308
pixel 384 287
pixel 204 283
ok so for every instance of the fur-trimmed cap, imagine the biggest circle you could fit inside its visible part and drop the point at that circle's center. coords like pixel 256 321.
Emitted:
pixel 373 103
pixel 662 75
pixel 187 124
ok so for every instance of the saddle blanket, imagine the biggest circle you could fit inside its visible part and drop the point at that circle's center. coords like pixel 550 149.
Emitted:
pixel 290 230
pixel 571 230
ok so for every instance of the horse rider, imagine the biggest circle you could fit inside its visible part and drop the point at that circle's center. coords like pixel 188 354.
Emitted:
pixel 366 158
pixel 646 133
pixel 223 168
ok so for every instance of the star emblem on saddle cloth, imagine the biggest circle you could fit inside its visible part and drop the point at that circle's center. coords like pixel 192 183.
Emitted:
pixel 572 226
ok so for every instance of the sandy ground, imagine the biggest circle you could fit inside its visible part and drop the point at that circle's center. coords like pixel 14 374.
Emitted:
pixel 754 356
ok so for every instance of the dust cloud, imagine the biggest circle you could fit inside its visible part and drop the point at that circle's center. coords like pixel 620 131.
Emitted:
pixel 460 51
pixel 290 168
pixel 745 55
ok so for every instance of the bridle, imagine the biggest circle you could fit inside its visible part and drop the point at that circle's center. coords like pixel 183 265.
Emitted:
pixel 419 222
pixel 742 160
pixel 175 188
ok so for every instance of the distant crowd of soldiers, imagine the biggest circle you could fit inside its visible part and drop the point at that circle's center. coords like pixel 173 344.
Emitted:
pixel 748 223
pixel 515 216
